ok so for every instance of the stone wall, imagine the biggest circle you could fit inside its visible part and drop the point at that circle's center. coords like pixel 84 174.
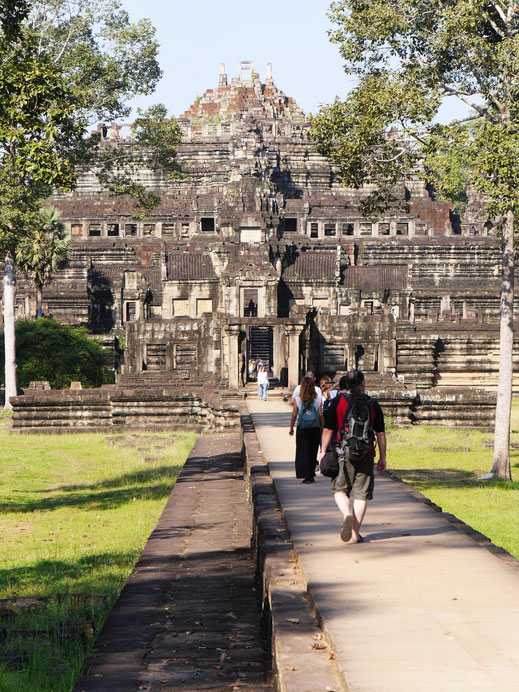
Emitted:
pixel 98 410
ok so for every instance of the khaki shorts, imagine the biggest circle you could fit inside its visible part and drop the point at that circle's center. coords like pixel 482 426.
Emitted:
pixel 356 479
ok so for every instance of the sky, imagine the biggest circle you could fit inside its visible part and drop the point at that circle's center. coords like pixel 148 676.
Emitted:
pixel 195 37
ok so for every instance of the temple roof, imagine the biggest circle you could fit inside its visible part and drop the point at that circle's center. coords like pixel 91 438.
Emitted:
pixel 190 266
pixel 313 265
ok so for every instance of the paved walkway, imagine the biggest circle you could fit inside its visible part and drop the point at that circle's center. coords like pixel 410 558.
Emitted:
pixel 420 605
pixel 187 618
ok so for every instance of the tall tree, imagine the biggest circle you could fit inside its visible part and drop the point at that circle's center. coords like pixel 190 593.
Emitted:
pixel 39 134
pixel 40 254
pixel 408 56
pixel 65 64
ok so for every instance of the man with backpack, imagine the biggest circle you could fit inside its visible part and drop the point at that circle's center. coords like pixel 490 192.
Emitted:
pixel 358 419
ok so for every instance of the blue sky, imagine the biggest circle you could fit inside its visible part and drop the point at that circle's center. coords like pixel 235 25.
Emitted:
pixel 195 37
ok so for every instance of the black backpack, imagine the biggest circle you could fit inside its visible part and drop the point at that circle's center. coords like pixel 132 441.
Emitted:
pixel 357 434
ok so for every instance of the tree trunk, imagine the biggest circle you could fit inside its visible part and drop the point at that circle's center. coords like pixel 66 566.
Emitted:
pixel 9 336
pixel 501 464
pixel 39 310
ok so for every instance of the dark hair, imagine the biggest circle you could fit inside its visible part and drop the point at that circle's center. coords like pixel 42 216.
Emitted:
pixel 354 380
pixel 307 390
pixel 343 383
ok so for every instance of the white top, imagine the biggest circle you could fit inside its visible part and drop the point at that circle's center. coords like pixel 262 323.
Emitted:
pixel 263 377
pixel 318 399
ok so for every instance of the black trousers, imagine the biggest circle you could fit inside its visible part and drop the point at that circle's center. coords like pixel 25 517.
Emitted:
pixel 307 446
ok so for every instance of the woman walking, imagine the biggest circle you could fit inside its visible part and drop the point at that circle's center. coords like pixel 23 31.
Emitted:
pixel 263 383
pixel 307 411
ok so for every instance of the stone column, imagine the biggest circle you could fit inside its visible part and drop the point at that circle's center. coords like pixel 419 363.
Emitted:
pixel 293 331
pixel 276 344
pixel 233 332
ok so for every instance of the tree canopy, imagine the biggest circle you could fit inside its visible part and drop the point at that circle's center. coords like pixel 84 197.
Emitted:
pixel 60 354
pixel 408 57
pixel 40 254
pixel 65 64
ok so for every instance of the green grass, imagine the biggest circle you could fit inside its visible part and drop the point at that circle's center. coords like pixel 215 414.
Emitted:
pixel 444 464
pixel 75 513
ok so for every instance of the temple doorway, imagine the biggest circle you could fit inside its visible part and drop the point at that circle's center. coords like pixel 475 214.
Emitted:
pixel 260 346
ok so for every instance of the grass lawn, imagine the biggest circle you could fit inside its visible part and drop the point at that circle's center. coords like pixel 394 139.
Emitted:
pixel 75 513
pixel 444 464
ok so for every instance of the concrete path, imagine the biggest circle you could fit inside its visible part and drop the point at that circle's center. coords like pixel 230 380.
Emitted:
pixel 420 605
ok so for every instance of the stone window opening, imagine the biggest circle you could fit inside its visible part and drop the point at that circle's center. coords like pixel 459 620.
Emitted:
pixel 76 229
pixel 130 229
pixel 359 355
pixel 402 229
pixel 185 230
pixel 94 230
pixel 365 228
pixel 330 229
pixel 384 228
pixel 250 302
pixel 314 230
pixel 156 356
pixel 348 229
pixel 113 230
pixel 207 224
pixel 131 311
pixel 149 229
pixel 184 355
pixel 290 225
pixel 251 309
pixel 169 229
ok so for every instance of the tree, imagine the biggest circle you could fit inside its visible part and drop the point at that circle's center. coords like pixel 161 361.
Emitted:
pixel 408 57
pixel 61 354
pixel 43 252
pixel 63 65
pixel 39 135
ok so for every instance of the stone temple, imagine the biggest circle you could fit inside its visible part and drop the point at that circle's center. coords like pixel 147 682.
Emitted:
pixel 261 252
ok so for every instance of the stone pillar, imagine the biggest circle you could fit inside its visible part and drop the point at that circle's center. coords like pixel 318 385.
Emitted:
pixel 293 331
pixel 269 81
pixel 276 345
pixel 222 80
pixel 233 332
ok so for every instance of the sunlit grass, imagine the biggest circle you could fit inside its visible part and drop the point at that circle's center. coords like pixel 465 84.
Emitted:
pixel 75 513
pixel 445 463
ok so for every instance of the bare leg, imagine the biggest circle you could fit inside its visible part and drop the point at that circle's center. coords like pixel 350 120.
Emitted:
pixel 343 503
pixel 359 510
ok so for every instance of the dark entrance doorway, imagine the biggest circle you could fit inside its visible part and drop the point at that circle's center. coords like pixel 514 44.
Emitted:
pixel 260 345
pixel 250 300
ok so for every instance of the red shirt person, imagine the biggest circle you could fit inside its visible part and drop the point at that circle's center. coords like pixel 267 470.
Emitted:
pixel 355 478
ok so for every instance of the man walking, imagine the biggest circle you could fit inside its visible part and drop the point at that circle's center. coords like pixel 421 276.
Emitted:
pixel 356 476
